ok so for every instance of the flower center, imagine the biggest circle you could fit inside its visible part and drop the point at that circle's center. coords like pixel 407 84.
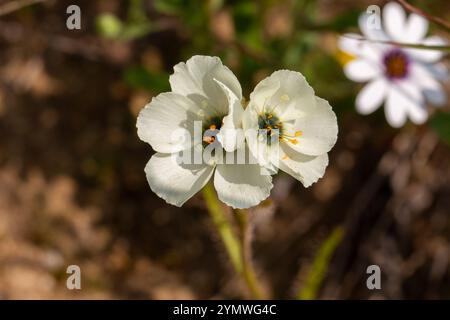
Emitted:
pixel 274 128
pixel 396 64
pixel 211 129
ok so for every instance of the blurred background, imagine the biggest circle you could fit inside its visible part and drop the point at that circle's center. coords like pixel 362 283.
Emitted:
pixel 72 182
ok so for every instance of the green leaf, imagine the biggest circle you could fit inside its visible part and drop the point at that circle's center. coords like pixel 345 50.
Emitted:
pixel 320 265
pixel 441 124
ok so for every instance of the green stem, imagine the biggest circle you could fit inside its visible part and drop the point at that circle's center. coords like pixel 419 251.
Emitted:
pixel 249 274
pixel 232 245
pixel 234 248
pixel 320 265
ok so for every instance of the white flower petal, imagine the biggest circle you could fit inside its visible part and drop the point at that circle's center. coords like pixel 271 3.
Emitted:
pixel 368 30
pixel 229 136
pixel 416 28
pixel 437 97
pixel 394 110
pixel 438 70
pixel 417 113
pixel 286 93
pixel 318 130
pixel 371 96
pixel 195 79
pixel 352 44
pixel 167 122
pixel 262 93
pixel 361 70
pixel 426 55
pixel 430 86
pixel 242 185
pixel 394 19
pixel 175 183
pixel 405 99
pixel 349 43
pixel 306 169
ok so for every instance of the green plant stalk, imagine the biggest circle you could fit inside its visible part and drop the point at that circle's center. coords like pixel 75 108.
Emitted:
pixel 320 265
pixel 234 248
pixel 232 245
pixel 444 48
pixel 249 274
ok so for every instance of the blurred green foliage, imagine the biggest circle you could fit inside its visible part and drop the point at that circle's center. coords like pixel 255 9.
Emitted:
pixel 136 25
pixel 256 46
pixel 441 124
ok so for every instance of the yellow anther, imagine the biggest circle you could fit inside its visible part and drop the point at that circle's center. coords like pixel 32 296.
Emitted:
pixel 293 141
pixel 298 133
pixel 212 127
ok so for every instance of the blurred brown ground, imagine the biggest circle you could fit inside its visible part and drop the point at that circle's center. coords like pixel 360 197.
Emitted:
pixel 73 190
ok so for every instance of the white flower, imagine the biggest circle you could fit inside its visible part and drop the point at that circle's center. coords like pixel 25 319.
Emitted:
pixel 202 90
pixel 300 127
pixel 401 77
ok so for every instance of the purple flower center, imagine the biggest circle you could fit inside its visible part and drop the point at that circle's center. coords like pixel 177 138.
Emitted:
pixel 396 64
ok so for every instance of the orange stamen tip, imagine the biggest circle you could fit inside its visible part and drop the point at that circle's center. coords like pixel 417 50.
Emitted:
pixel 298 133
pixel 209 139
pixel 293 141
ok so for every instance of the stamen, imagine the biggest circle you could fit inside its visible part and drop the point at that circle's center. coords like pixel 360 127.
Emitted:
pixel 209 140
pixel 298 133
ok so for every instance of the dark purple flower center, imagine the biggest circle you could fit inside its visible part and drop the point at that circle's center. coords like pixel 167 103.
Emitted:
pixel 396 64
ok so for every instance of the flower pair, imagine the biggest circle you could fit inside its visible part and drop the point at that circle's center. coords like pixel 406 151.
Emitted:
pixel 284 126
pixel 401 77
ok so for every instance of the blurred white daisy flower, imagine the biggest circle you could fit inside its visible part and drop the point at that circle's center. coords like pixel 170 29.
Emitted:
pixel 296 128
pixel 403 78
pixel 202 90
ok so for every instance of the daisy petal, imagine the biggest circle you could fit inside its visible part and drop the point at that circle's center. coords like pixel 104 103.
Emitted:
pixel 430 86
pixel 394 110
pixel 306 169
pixel 167 122
pixel 404 99
pixel 352 44
pixel 361 70
pixel 242 185
pixel 368 30
pixel 417 113
pixel 175 183
pixel 416 28
pixel 428 56
pixel 394 21
pixel 195 79
pixel 318 130
pixel 438 70
pixel 371 96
